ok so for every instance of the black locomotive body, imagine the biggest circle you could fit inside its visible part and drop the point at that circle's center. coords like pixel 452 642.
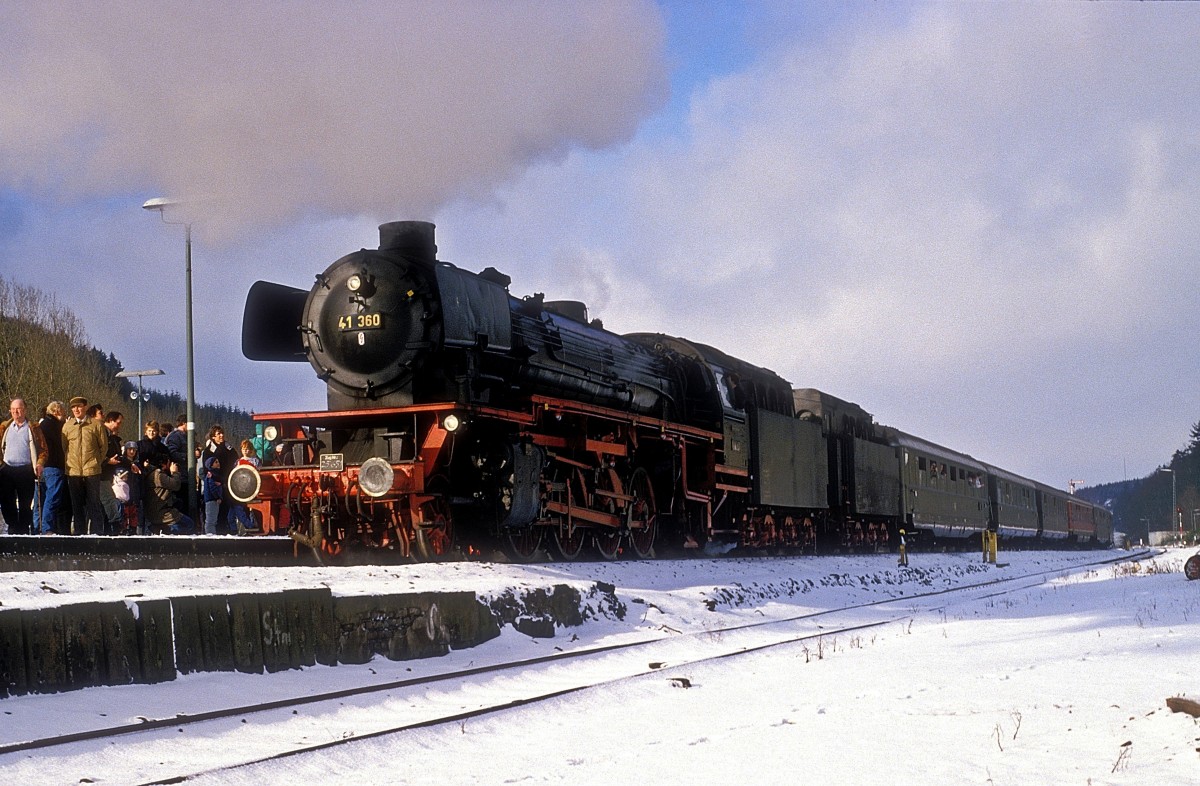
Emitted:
pixel 459 413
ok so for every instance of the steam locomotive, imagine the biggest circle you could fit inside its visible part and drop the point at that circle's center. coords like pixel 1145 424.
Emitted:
pixel 461 417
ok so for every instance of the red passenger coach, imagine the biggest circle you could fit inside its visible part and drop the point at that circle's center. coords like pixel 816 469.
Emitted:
pixel 1081 522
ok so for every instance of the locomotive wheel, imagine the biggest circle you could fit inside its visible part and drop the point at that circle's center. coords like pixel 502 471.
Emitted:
pixel 1191 568
pixel 607 539
pixel 435 532
pixel 569 540
pixel 641 516
pixel 524 546
pixel 608 543
pixel 570 546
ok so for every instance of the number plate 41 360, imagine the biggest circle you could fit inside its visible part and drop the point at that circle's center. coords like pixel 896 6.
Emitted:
pixel 360 322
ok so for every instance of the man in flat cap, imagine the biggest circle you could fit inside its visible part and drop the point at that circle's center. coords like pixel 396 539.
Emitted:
pixel 85 443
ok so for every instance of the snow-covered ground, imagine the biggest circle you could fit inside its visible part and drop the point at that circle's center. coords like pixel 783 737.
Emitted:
pixel 1063 680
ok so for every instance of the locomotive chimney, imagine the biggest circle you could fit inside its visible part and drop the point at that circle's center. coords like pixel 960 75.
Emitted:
pixel 414 238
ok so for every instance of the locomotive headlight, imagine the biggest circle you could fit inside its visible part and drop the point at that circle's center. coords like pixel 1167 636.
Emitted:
pixel 451 423
pixel 244 483
pixel 361 284
pixel 375 477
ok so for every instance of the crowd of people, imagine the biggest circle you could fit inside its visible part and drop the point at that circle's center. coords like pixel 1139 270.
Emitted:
pixel 71 473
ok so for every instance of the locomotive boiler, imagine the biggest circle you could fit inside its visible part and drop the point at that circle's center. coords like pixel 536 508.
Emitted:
pixel 461 418
pixel 393 327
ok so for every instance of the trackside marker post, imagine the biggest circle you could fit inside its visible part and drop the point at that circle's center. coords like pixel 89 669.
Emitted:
pixel 989 546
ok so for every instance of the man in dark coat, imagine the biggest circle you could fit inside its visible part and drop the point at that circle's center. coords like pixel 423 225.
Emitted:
pixel 23 450
pixel 176 442
pixel 113 459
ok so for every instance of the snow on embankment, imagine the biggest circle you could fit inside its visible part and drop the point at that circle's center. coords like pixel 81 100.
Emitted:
pixel 725 582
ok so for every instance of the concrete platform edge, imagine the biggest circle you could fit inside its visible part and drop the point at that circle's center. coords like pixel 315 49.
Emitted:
pixel 148 641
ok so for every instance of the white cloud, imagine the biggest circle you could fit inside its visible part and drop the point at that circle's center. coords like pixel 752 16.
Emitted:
pixel 965 221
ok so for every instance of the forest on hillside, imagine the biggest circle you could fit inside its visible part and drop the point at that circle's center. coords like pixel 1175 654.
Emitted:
pixel 1144 505
pixel 45 355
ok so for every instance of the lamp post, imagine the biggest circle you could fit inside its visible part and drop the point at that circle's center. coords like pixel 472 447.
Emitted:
pixel 152 372
pixel 161 204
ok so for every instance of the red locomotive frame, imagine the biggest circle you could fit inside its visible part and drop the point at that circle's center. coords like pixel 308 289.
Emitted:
pixel 593 491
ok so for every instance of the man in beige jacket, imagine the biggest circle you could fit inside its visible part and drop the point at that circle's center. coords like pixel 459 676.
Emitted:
pixel 84 444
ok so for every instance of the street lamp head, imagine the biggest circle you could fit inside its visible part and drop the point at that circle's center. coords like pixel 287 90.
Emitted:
pixel 150 372
pixel 160 204
pixel 187 201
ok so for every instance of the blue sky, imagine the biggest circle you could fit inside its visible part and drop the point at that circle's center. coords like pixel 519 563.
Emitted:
pixel 976 220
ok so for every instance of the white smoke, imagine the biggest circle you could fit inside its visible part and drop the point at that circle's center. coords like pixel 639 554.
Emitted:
pixel 277 111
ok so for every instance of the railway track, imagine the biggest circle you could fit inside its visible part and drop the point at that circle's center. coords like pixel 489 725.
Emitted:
pixel 24 553
pixel 317 722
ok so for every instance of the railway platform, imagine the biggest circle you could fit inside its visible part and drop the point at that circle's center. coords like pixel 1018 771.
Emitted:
pixel 102 553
